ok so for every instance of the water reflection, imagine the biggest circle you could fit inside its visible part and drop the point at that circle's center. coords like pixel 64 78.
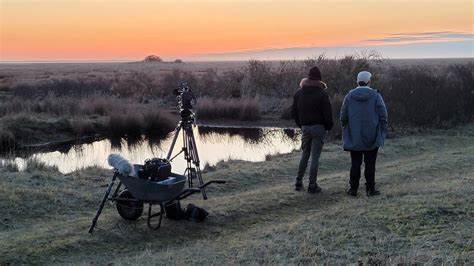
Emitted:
pixel 249 135
pixel 214 144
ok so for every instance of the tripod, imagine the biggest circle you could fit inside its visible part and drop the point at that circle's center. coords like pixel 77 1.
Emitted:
pixel 193 170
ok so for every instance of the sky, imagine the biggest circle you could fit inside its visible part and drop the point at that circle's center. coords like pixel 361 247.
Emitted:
pixel 50 30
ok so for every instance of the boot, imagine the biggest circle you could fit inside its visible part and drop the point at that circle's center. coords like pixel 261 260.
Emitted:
pixel 352 192
pixel 314 188
pixel 298 186
pixel 371 191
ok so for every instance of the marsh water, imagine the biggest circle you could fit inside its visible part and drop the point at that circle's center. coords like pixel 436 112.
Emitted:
pixel 214 144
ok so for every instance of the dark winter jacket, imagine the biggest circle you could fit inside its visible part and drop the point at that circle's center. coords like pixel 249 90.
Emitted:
pixel 311 105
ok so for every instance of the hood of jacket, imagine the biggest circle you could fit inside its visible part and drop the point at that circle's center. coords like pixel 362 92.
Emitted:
pixel 362 94
pixel 306 82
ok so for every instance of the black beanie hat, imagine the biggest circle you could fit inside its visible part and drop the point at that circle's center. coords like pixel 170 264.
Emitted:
pixel 314 73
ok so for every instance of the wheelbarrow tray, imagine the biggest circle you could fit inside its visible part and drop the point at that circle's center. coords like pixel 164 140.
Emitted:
pixel 151 191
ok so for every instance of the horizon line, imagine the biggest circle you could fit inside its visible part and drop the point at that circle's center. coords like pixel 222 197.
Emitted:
pixel 77 61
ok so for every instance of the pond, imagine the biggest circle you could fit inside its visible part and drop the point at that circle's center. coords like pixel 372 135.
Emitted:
pixel 214 144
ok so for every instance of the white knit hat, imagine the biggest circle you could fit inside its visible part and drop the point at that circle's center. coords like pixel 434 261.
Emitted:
pixel 364 76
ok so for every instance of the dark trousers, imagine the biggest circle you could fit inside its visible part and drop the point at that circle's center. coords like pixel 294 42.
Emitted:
pixel 369 158
pixel 312 141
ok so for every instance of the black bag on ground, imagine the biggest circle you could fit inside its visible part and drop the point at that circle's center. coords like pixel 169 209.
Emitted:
pixel 174 211
pixel 194 213
pixel 156 169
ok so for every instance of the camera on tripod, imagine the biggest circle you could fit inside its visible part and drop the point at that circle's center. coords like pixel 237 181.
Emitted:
pixel 186 99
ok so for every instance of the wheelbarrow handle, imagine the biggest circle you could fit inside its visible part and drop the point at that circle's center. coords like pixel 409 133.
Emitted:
pixel 212 182
pixel 186 193
pixel 189 191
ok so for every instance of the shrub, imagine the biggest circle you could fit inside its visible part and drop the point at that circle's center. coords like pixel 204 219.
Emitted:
pixel 62 87
pixel 152 58
pixel 132 84
pixel 244 109
pixel 133 124
pixel 85 127
pixel 128 124
pixel 157 123
pixel 99 105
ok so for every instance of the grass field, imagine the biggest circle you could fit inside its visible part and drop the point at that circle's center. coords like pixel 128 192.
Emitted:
pixel 424 215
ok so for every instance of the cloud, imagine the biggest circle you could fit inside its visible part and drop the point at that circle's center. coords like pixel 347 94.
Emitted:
pixel 442 49
pixel 413 37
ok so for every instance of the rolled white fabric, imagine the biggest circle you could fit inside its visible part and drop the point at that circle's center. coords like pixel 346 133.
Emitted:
pixel 120 164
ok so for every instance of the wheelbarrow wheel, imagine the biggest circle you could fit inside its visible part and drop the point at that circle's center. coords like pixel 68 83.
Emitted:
pixel 130 209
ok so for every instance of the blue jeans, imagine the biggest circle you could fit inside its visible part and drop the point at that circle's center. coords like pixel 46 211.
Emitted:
pixel 312 141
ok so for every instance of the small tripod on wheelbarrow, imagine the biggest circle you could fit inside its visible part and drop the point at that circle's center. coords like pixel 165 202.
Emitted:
pixel 193 170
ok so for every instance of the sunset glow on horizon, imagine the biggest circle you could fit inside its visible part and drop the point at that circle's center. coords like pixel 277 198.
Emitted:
pixel 130 30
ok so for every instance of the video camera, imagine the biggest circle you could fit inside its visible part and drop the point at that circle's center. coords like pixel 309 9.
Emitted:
pixel 186 99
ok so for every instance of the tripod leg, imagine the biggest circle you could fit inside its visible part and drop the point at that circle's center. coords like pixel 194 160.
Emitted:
pixel 195 159
pixel 188 171
pixel 170 152
pixel 201 182
pixel 101 206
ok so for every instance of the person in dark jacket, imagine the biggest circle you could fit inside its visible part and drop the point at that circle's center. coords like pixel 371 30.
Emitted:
pixel 364 122
pixel 312 113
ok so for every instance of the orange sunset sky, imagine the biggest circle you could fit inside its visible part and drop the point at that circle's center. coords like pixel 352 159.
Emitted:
pixel 130 30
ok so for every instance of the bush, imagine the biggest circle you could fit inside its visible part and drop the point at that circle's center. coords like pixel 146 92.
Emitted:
pixel 133 124
pixel 157 123
pixel 62 88
pixel 244 109
pixel 82 126
pixel 427 95
pixel 152 58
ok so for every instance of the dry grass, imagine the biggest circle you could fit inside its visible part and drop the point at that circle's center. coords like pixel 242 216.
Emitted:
pixel 157 123
pixel 440 90
pixel 243 109
pixel 424 215
pixel 34 165
pixel 133 124
pixel 9 166
pixel 31 121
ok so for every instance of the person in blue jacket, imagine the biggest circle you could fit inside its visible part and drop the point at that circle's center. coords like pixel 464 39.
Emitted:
pixel 364 121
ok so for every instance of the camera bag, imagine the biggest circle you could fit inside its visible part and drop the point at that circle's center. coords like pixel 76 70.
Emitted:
pixel 195 213
pixel 156 169
pixel 174 211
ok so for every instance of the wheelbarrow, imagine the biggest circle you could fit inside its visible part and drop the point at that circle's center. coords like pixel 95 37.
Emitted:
pixel 137 192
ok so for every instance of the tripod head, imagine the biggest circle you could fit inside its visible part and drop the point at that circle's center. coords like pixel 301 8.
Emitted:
pixel 185 100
